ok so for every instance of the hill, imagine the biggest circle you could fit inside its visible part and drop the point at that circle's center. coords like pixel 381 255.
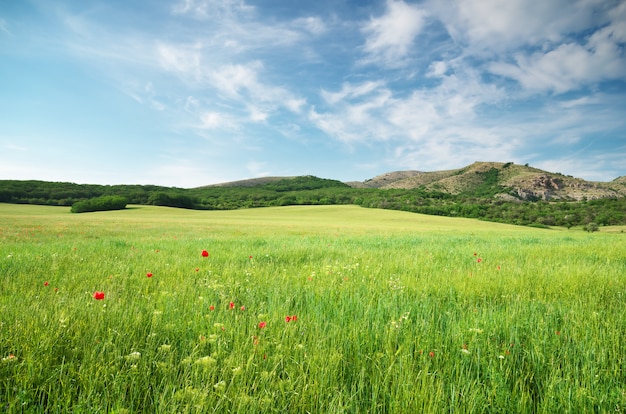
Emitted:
pixel 493 191
pixel 518 181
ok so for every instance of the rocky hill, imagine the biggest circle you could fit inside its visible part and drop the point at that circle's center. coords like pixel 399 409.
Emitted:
pixel 518 181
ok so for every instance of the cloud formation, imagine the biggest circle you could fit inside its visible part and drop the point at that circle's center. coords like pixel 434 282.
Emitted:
pixel 266 88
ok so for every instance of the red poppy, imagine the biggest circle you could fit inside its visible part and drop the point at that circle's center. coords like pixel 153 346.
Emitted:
pixel 98 295
pixel 431 354
pixel 287 319
pixel 243 308
pixel 232 305
pixel 149 274
pixel 205 253
pixel 262 325
pixel 294 318
pixel 46 283
pixel 479 260
pixel 211 307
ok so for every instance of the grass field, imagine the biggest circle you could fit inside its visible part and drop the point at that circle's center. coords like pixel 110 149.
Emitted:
pixel 306 309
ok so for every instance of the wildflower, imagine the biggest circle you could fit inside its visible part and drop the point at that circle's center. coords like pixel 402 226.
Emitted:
pixel 10 357
pixel 149 274
pixel 558 332
pixel 231 305
pixel 206 361
pixel 133 356
pixel 243 308
pixel 46 283
pixel 262 325
pixel 98 295
pixel 292 318
pixel 205 253
pixel 165 348
pixel 431 354
pixel 465 351
pixel 479 260
pixel 211 307
pixel 501 356
pixel 197 269
pixel 287 319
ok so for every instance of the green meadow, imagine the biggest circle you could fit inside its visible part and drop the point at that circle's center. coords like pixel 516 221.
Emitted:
pixel 319 309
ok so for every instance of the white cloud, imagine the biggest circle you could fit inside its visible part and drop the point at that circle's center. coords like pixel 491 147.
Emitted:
pixel 569 66
pixel 314 25
pixel 494 26
pixel 214 120
pixel 351 91
pixel 183 60
pixel 205 9
pixel 390 37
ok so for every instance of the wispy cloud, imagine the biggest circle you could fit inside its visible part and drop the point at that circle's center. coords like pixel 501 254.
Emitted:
pixel 212 9
pixel 389 38
pixel 4 27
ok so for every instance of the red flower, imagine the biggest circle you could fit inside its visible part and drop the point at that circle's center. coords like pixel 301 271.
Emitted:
pixel 294 318
pixel 149 274
pixel 46 283
pixel 211 307
pixel 197 269
pixel 431 354
pixel 98 295
pixel 287 319
pixel 250 257
pixel 243 308
pixel 479 260
pixel 205 253
pixel 262 325
pixel 232 305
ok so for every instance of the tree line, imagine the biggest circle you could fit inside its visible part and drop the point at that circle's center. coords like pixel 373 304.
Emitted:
pixel 477 203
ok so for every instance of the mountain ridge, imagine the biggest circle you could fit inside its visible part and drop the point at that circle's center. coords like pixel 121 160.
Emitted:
pixel 520 182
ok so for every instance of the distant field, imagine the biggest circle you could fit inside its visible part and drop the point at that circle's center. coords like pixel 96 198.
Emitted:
pixel 306 309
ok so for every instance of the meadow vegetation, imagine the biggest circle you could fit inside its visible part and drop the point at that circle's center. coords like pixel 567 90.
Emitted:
pixel 306 309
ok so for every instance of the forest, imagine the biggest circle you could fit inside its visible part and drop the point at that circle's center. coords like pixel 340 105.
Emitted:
pixel 479 203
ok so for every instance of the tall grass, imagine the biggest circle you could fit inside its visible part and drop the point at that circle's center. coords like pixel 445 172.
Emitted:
pixel 394 312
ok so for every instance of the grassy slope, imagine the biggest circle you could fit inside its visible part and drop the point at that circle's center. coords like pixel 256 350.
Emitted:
pixel 395 312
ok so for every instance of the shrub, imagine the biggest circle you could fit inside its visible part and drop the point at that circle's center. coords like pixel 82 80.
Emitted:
pixel 591 227
pixel 103 203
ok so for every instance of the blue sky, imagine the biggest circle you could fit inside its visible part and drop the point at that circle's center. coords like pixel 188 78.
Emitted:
pixel 193 92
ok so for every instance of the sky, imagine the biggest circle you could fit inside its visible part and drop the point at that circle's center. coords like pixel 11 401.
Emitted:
pixel 188 93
